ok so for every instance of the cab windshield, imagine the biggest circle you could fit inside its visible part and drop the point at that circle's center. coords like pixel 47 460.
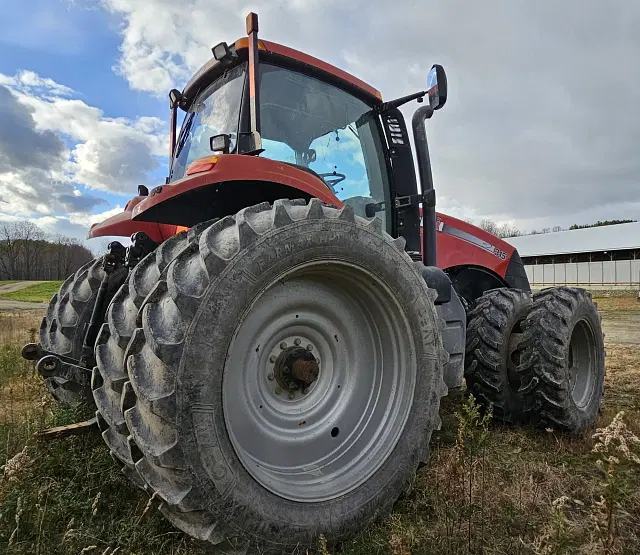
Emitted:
pixel 216 111
pixel 325 130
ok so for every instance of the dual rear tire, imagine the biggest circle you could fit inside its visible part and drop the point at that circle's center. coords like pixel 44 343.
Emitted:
pixel 538 359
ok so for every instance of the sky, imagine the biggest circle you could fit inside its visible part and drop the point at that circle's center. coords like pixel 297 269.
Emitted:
pixel 540 128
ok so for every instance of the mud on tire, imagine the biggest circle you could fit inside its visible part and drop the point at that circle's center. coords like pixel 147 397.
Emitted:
pixel 493 351
pixel 63 327
pixel 562 361
pixel 181 363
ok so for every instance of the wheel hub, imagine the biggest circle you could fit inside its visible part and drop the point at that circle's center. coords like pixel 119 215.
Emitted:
pixel 296 369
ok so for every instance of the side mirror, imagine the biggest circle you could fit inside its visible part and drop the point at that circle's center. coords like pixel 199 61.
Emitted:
pixel 220 143
pixel 437 87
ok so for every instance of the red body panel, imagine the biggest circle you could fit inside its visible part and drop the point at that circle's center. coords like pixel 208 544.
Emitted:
pixel 230 167
pixel 238 167
pixel 459 243
pixel 463 244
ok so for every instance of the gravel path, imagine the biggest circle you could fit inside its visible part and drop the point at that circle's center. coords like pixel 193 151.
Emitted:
pixel 9 304
pixel 8 287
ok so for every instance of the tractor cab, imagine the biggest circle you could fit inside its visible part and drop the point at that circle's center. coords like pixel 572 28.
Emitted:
pixel 307 123
pixel 330 134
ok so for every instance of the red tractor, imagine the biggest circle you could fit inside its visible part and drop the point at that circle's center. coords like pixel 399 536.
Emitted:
pixel 268 354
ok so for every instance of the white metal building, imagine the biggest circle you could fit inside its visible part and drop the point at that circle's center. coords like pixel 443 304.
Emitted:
pixel 598 257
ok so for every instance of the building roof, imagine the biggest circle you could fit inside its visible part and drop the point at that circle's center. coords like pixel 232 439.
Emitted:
pixel 592 239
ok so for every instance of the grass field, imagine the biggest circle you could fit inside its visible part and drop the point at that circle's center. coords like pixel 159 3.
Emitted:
pixel 488 489
pixel 38 293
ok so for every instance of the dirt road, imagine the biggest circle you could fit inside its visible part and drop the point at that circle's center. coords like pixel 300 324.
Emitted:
pixel 620 319
pixel 8 287
pixel 8 304
pixel 622 327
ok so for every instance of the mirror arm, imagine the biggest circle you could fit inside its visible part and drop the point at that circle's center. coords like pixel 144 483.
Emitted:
pixel 429 254
pixel 385 106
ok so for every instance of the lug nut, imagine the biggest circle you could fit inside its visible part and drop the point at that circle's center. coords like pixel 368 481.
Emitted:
pixel 292 395
pixel 272 358
pixel 305 390
pixel 283 345
pixel 270 376
pixel 297 342
pixel 309 347
pixel 278 391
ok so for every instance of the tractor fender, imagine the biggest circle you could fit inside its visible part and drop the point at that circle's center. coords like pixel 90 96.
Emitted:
pixel 451 310
pixel 122 225
pixel 491 261
pixel 226 184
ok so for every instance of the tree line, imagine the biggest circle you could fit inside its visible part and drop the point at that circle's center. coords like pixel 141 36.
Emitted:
pixel 27 253
pixel 508 230
pixel 600 224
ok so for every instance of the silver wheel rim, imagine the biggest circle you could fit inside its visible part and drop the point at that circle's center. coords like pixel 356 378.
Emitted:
pixel 582 364
pixel 320 445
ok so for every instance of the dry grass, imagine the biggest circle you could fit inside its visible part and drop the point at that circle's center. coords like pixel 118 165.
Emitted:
pixel 488 489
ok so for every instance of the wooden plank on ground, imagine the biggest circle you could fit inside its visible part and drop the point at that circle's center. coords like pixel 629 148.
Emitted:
pixel 76 429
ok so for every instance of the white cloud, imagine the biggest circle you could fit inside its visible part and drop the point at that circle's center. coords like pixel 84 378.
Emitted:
pixel 111 154
pixel 40 176
pixel 29 80
pixel 88 220
pixel 535 113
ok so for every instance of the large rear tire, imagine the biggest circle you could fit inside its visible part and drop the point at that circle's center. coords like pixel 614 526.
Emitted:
pixel 494 335
pixel 241 458
pixel 562 369
pixel 63 327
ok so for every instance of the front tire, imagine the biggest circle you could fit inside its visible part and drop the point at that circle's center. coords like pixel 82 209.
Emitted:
pixel 63 327
pixel 562 370
pixel 239 460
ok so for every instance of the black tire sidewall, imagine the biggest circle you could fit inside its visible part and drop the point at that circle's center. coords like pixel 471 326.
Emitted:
pixel 586 312
pixel 235 497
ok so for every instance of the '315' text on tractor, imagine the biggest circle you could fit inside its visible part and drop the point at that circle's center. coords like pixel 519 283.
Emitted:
pixel 268 354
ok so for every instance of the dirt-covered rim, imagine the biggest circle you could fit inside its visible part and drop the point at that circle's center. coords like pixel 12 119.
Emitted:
pixel 324 440
pixel 582 364
pixel 514 350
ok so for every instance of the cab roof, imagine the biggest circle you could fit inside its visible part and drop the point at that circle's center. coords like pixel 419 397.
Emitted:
pixel 285 56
